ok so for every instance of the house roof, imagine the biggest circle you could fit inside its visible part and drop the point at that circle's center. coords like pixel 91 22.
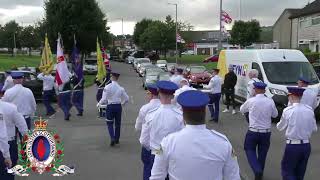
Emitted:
pixel 309 9
pixel 290 11
pixel 203 36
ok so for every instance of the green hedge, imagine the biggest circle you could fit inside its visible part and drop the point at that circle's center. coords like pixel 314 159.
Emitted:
pixel 312 57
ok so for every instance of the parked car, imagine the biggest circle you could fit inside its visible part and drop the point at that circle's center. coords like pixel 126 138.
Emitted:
pixel 33 83
pixel 151 77
pixel 90 65
pixel 164 76
pixel 26 68
pixel 171 66
pixel 197 75
pixel 142 68
pixel 124 55
pixel 189 52
pixel 162 64
pixel 214 58
pixel 139 61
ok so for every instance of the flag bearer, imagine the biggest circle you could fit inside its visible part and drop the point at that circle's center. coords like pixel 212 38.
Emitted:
pixel 257 142
pixel 115 96
pixel 300 123
pixel 102 85
pixel 195 152
pixel 48 92
pixel 77 94
pixel 65 99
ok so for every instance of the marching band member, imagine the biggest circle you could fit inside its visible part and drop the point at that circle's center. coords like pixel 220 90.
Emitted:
pixel 195 152
pixel 21 97
pixel 257 142
pixel 300 123
pixel 115 96
pixel 154 103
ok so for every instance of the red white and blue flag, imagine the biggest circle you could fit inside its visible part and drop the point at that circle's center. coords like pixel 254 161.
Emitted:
pixel 62 73
pixel 225 17
pixel 180 39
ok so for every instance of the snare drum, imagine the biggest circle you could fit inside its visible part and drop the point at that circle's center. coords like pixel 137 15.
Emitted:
pixel 102 111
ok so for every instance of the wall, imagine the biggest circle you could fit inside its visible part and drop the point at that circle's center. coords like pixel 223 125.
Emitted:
pixel 282 31
pixel 309 32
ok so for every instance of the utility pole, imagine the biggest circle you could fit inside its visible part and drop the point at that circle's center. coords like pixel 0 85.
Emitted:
pixel 175 4
pixel 122 33
pixel 220 32
pixel 240 10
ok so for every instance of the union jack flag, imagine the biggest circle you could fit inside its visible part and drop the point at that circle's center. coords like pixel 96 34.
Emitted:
pixel 180 39
pixel 225 17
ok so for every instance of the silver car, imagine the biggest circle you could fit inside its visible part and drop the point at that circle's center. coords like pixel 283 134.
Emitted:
pixel 162 64
pixel 137 62
pixel 151 76
pixel 143 67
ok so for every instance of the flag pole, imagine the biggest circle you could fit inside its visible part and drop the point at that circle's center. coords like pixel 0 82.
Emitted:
pixel 220 32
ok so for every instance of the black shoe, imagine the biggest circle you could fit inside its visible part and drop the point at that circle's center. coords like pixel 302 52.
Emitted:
pixel 50 114
pixel 112 143
pixel 67 118
pixel 258 177
pixel 80 114
pixel 116 141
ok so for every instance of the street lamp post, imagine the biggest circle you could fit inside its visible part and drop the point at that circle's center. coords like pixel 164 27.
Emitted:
pixel 175 4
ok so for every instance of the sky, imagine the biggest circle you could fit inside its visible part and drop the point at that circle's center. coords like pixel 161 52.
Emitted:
pixel 202 14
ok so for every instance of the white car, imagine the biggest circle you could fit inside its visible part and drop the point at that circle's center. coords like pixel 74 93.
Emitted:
pixel 90 66
pixel 162 64
pixel 189 52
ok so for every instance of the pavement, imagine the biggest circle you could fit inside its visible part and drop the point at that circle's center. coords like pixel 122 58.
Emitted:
pixel 86 141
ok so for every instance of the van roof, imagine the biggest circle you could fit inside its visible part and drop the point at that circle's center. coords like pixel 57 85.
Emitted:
pixel 267 55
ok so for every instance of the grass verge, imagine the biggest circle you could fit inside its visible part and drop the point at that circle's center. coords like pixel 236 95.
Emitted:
pixel 7 62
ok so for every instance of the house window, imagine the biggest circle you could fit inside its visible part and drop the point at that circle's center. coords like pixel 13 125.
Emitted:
pixel 316 20
pixel 305 22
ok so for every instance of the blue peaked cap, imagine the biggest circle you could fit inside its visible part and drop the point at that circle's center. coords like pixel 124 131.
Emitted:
pixel 167 87
pixel 295 91
pixel 193 99
pixel 259 85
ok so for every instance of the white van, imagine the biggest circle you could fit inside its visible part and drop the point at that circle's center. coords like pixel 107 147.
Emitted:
pixel 278 68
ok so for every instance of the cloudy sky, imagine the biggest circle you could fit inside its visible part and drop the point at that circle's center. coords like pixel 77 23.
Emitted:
pixel 203 14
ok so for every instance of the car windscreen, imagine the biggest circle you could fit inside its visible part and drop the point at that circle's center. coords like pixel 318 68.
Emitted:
pixel 197 69
pixel 154 70
pixel 90 62
pixel 289 72
pixel 144 61
pixel 162 62
pixel 164 77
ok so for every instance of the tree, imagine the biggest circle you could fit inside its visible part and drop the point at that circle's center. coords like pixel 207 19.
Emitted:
pixel 245 33
pixel 139 29
pixel 11 33
pixel 82 18
pixel 30 38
